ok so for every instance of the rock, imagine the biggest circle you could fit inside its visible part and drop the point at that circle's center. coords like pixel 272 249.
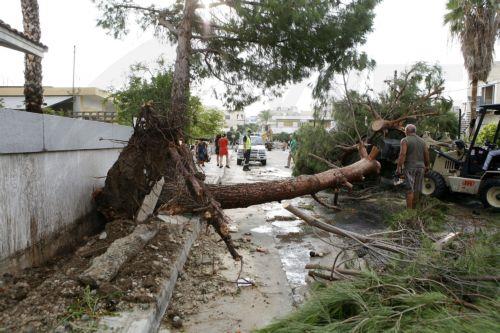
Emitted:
pixel 60 329
pixel 154 247
pixel 85 317
pixel 177 322
pixel 233 228
pixel 248 234
pixel 103 235
pixel 262 250
pixel 157 263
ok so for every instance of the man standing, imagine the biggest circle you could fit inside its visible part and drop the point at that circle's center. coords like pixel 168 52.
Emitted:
pixel 247 149
pixel 414 156
pixel 293 150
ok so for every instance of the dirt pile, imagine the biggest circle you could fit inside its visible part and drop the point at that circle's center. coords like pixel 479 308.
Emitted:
pixel 49 298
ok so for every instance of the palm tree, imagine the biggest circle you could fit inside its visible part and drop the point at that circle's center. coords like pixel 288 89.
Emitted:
pixel 33 90
pixel 265 116
pixel 476 25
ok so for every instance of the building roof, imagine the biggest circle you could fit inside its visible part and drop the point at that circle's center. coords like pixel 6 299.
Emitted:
pixel 17 102
pixel 17 40
pixel 55 91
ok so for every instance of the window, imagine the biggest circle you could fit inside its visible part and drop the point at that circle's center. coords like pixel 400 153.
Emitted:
pixel 288 123
pixel 488 94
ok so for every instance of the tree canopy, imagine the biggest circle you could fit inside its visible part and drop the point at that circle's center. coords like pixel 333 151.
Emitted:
pixel 412 93
pixel 155 84
pixel 476 24
pixel 255 44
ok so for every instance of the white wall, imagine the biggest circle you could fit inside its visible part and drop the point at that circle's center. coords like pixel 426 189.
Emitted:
pixel 49 167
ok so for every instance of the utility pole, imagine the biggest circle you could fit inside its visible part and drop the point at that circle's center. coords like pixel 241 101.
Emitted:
pixel 73 85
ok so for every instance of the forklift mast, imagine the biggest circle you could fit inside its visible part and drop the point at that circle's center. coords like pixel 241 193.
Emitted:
pixel 465 171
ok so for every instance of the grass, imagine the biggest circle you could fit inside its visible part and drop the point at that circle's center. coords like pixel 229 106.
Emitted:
pixel 89 305
pixel 431 215
pixel 429 295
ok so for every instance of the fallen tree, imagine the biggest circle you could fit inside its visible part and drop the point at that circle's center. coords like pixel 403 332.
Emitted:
pixel 227 51
pixel 244 195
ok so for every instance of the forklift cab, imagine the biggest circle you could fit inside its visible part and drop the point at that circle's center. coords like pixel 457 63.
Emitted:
pixel 477 155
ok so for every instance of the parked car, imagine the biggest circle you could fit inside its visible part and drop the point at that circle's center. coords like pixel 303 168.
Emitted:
pixel 258 153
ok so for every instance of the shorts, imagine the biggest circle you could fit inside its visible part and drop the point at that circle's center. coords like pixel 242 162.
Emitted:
pixel 414 179
pixel 216 150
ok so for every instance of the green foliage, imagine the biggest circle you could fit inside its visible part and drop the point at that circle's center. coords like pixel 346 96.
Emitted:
pixel 243 128
pixel 258 44
pixel 476 24
pixel 316 140
pixel 282 136
pixel 206 123
pixel 487 133
pixel 146 84
pixel 265 116
pixel 431 215
pixel 1 103
pixel 409 297
pixel 416 90
pixel 54 112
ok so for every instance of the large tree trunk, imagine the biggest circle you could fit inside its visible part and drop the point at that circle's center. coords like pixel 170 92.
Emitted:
pixel 173 201
pixel 33 90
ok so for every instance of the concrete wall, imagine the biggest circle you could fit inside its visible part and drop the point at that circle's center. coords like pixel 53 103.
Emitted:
pixel 49 167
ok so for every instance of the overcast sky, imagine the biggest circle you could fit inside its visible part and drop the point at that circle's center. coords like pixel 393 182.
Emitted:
pixel 405 31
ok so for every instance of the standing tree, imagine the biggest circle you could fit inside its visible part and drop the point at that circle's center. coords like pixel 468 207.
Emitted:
pixel 265 116
pixel 33 90
pixel 252 47
pixel 476 24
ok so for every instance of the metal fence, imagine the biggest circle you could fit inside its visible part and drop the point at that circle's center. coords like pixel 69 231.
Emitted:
pixel 104 116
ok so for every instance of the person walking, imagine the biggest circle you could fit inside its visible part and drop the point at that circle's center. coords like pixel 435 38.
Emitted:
pixel 201 153
pixel 247 149
pixel 223 150
pixel 216 144
pixel 414 162
pixel 293 150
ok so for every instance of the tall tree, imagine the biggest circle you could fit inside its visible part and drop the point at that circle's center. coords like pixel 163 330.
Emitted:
pixel 265 116
pixel 253 47
pixel 475 23
pixel 33 90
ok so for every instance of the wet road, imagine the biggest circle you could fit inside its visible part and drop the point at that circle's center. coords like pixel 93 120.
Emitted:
pixel 279 272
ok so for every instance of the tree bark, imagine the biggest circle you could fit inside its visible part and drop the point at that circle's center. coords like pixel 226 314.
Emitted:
pixel 33 89
pixel 473 104
pixel 245 195
pixel 105 267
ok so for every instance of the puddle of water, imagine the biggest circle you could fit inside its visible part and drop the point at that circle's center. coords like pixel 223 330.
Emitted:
pixel 263 229
pixel 294 257
pixel 287 227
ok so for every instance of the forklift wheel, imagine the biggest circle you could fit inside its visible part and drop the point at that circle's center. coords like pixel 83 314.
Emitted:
pixel 490 193
pixel 434 185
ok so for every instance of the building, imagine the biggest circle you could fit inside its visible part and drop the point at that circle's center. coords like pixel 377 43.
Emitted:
pixel 86 103
pixel 487 93
pixel 233 119
pixel 16 40
pixel 290 124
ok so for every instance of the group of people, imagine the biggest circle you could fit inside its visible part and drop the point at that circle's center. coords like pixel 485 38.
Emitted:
pixel 221 150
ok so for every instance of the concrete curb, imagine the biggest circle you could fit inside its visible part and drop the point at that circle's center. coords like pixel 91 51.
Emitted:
pixel 149 320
